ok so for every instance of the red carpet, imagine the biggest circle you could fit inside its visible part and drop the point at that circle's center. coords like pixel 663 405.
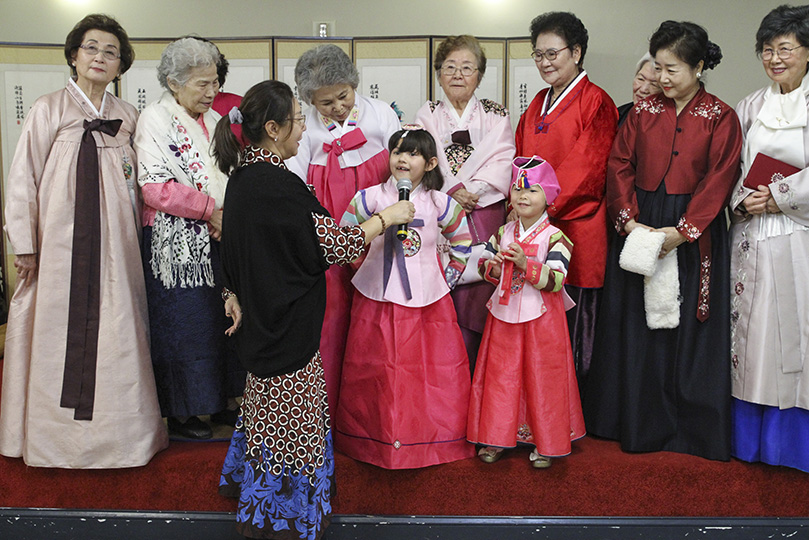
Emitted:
pixel 596 480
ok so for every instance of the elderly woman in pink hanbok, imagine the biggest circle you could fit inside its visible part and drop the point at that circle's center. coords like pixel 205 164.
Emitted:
pixel 477 146
pixel 78 389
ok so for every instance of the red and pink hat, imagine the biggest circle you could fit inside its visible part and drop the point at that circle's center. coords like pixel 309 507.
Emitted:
pixel 530 171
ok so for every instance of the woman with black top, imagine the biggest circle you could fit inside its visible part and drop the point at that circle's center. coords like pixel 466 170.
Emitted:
pixel 277 243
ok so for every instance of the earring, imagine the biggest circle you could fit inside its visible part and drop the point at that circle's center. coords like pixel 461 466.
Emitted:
pixel 275 139
pixel 699 75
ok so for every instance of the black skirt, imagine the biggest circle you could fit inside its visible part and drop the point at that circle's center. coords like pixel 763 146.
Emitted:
pixel 664 389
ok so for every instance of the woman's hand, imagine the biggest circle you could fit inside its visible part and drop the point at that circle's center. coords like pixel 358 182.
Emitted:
pixel 468 201
pixel 398 213
pixel 215 224
pixel 26 266
pixel 673 239
pixel 515 254
pixel 759 202
pixel 772 207
pixel 631 225
pixel 233 310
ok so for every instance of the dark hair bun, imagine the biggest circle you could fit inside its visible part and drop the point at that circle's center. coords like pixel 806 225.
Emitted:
pixel 713 55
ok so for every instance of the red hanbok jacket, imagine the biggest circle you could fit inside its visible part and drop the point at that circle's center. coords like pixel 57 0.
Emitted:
pixel 575 138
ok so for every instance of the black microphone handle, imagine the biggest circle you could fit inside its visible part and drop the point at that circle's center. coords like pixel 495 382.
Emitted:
pixel 401 233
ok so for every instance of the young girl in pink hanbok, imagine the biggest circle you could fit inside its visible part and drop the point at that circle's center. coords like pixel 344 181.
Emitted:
pixel 524 389
pixel 405 384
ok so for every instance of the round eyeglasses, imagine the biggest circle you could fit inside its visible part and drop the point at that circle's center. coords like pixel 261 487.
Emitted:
pixel 550 54
pixel 783 53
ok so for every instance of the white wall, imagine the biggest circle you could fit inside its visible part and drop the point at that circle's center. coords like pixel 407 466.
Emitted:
pixel 619 30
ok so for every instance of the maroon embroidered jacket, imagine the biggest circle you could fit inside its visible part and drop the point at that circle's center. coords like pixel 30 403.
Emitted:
pixel 696 153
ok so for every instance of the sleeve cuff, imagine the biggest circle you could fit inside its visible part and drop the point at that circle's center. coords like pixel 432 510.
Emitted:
pixel 209 208
pixel 533 270
pixel 689 230
pixel 454 188
pixel 623 218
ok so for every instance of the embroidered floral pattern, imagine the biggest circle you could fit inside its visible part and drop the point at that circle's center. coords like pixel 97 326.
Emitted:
pixel 741 254
pixel 517 280
pixel 707 110
pixel 524 434
pixel 786 194
pixel 652 106
pixel 688 230
pixel 492 106
pixel 622 219
pixel 457 154
pixel 703 308
pixel 190 161
pixel 412 244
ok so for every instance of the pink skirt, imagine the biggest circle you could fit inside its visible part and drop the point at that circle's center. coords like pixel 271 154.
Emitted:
pixel 405 386
pixel 525 387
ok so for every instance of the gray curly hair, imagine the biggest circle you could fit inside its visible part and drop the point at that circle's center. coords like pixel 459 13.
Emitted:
pixel 325 65
pixel 181 56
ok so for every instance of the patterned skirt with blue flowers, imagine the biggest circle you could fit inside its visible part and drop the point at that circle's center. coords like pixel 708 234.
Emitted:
pixel 280 464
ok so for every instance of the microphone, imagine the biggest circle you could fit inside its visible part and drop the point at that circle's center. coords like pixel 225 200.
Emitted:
pixel 404 186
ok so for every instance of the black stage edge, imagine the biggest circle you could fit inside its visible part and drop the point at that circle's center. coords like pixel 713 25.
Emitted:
pixel 41 524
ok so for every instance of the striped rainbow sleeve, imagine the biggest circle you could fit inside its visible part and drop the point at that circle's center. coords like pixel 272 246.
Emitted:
pixel 454 228
pixel 550 276
pixel 358 210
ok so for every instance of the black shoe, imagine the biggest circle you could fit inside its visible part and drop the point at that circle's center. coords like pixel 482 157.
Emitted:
pixel 226 416
pixel 193 428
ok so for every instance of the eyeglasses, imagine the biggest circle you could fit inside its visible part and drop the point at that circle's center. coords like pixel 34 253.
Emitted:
pixel 92 50
pixel 300 119
pixel 783 53
pixel 466 71
pixel 550 54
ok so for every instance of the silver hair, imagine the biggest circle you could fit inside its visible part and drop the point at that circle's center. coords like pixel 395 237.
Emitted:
pixel 325 65
pixel 181 56
pixel 643 60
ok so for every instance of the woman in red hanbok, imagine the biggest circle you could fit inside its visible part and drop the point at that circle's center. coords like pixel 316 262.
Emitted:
pixel 572 125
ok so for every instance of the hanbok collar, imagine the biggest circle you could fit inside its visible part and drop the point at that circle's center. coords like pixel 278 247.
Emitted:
pixel 525 233
pixel 350 123
pixel 785 111
pixel 573 84
pixel 79 93
pixel 468 112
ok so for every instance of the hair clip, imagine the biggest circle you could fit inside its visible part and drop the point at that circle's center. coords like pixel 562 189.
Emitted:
pixel 235 116
pixel 411 127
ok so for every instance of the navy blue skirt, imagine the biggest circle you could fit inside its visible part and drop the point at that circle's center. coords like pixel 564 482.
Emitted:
pixel 665 389
pixel 195 365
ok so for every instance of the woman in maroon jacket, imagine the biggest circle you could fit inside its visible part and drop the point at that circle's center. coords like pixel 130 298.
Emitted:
pixel 672 168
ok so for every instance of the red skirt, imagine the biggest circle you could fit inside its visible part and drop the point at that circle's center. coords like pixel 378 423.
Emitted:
pixel 525 386
pixel 405 387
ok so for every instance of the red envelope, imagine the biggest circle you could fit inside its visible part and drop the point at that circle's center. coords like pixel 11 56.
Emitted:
pixel 766 170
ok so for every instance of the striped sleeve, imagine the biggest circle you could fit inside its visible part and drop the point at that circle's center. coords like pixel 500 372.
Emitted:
pixel 454 228
pixel 550 276
pixel 491 248
pixel 358 210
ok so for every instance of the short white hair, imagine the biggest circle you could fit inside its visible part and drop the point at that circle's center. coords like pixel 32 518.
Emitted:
pixel 180 57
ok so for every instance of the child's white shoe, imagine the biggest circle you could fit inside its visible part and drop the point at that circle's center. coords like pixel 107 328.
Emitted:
pixel 490 454
pixel 539 462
